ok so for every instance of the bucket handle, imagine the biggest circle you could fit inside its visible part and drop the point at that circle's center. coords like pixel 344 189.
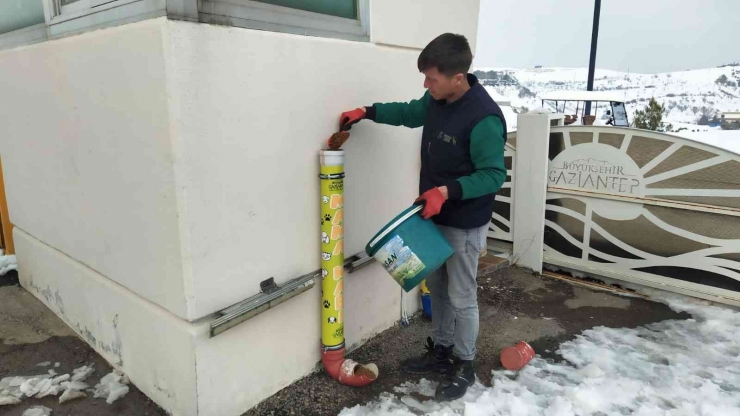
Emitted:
pixel 394 225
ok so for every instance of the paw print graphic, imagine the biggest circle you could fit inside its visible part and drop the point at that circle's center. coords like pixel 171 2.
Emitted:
pixel 327 304
pixel 325 218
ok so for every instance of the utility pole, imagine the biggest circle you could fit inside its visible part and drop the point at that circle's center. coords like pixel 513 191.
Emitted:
pixel 592 60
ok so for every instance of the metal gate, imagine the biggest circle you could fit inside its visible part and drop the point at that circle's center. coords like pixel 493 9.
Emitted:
pixel 502 221
pixel 643 207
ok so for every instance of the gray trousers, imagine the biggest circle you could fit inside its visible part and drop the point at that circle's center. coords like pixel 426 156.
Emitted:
pixel 454 292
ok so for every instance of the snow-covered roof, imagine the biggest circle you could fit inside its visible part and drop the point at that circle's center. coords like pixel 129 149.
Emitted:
pixel 581 96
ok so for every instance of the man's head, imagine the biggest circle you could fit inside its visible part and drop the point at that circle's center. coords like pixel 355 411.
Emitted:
pixel 445 62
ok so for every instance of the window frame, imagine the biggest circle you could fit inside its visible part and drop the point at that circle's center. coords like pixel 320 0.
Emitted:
pixel 26 36
pixel 87 15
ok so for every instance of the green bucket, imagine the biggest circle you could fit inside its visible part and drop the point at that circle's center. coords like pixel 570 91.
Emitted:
pixel 410 248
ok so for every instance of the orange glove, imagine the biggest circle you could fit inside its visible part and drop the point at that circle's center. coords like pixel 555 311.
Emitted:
pixel 349 118
pixel 434 200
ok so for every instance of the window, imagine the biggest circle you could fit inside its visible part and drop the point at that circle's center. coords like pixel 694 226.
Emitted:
pixel 21 22
pixel 344 19
pixel 71 6
pixel 20 14
pixel 339 8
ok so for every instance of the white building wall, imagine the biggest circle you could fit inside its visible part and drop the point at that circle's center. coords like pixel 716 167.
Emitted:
pixel 158 171
pixel 413 23
pixel 87 157
pixel 153 347
pixel 253 110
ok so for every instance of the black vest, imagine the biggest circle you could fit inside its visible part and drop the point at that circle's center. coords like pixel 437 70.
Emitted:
pixel 445 153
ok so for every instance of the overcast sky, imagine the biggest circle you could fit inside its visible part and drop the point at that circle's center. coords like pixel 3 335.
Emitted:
pixel 645 36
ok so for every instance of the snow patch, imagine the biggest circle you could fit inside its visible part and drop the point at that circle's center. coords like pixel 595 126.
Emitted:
pixel 49 391
pixel 37 411
pixel 113 386
pixel 32 386
pixel 674 367
pixel 80 374
pixel 8 400
pixel 59 379
pixel 71 394
pixel 74 385
pixel 13 389
pixel 423 387
pixel 7 263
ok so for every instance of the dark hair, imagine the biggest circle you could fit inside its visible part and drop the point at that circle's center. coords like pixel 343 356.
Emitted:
pixel 449 53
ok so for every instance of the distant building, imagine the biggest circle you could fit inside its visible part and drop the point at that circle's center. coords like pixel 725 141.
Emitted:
pixel 730 120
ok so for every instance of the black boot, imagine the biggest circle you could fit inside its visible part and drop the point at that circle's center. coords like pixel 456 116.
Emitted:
pixel 461 375
pixel 436 359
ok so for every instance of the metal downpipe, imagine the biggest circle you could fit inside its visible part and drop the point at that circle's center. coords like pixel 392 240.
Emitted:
pixel 344 370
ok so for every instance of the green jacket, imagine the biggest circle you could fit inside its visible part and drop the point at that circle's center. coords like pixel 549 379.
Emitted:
pixel 486 144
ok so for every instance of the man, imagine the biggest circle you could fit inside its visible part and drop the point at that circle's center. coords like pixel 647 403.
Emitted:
pixel 462 167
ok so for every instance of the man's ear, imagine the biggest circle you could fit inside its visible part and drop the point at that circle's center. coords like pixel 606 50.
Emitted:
pixel 459 78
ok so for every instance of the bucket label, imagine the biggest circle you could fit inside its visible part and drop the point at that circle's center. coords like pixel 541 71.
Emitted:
pixel 399 260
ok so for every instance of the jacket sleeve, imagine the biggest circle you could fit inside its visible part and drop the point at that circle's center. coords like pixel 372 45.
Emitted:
pixel 487 153
pixel 411 114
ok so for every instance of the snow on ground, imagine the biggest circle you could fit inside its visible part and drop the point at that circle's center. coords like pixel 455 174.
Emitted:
pixel 669 368
pixel 14 390
pixel 7 263
pixel 37 411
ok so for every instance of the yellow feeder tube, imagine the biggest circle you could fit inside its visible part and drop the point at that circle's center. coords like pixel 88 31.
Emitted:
pixel 332 248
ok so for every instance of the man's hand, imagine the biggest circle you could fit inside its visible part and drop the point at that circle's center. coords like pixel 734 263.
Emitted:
pixel 434 199
pixel 349 118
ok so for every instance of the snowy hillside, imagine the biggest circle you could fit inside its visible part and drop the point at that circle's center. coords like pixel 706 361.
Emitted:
pixel 687 95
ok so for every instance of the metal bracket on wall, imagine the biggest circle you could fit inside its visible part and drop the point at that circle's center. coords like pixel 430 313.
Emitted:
pixel 272 295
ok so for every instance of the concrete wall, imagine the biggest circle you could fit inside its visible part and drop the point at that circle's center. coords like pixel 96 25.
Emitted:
pixel 87 155
pixel 231 115
pixel 252 110
pixel 275 348
pixel 173 361
pixel 155 348
pixel 413 23
pixel 158 171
